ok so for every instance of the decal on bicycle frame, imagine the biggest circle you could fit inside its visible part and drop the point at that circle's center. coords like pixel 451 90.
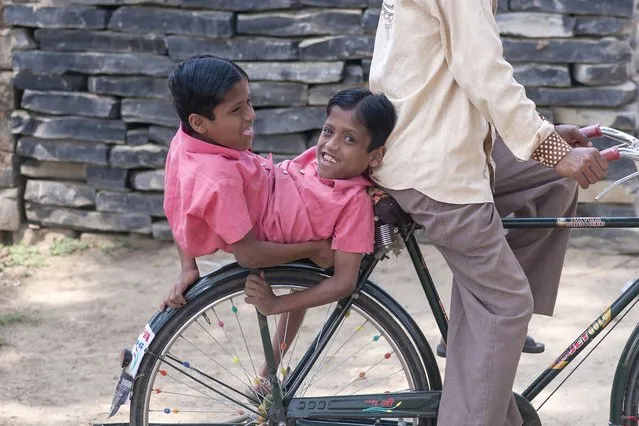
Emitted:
pixel 598 325
pixel 144 340
pixel 381 405
pixel 580 222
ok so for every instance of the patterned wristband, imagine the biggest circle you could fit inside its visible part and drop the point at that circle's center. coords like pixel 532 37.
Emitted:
pixel 551 150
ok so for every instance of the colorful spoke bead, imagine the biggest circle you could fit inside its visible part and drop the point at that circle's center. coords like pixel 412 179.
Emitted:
pixel 376 338
pixel 167 411
pixel 220 323
pixel 387 355
pixel 236 360
pixel 234 309
pixel 186 364
pixel 362 374
pixel 163 373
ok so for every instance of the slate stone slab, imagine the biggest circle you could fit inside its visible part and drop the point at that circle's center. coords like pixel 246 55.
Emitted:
pixel 136 137
pixel 88 220
pixel 266 93
pixel 130 202
pixel 321 94
pixel 337 47
pixel 64 83
pixel 602 26
pixel 280 144
pixel 300 23
pixel 304 72
pixel 525 24
pixel 162 231
pixel 542 75
pixel 370 20
pixel 235 49
pixel 69 127
pixel 52 170
pixel 41 62
pixel 623 8
pixel 61 150
pixel 353 74
pixel 107 177
pixel 623 119
pixel 162 135
pixel 289 120
pixel 149 111
pixel 98 41
pixel 65 194
pixel 156 20
pixel 55 17
pixel 609 96
pixel 602 74
pixel 241 5
pixel 148 180
pixel 130 87
pixel 143 156
pixel 71 103
pixel 567 51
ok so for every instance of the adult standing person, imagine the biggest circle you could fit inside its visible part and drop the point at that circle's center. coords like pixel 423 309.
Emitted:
pixel 441 64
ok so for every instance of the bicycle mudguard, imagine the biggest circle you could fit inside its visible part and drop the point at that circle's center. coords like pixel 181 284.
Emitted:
pixel 622 376
pixel 232 270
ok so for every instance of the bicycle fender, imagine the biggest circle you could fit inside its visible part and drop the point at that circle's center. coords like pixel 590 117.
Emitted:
pixel 622 376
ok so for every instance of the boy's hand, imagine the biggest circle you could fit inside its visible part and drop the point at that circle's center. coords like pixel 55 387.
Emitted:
pixel 260 294
pixel 324 254
pixel 573 136
pixel 175 299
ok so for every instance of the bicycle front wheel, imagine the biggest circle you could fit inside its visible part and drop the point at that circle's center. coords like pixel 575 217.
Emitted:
pixel 204 365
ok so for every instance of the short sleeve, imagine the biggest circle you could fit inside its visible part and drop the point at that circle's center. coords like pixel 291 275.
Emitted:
pixel 355 230
pixel 225 210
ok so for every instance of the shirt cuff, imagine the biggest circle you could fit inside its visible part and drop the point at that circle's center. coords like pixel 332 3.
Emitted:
pixel 551 150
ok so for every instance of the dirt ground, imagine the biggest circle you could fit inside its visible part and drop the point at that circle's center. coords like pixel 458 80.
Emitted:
pixel 64 319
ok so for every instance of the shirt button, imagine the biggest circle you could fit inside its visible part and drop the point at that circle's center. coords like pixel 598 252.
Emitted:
pixel 301 171
pixel 285 172
pixel 263 164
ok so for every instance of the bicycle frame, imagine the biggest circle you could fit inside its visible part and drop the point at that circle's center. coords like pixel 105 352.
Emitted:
pixel 425 404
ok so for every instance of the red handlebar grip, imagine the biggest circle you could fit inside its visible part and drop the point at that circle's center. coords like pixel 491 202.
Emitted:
pixel 611 154
pixel 593 131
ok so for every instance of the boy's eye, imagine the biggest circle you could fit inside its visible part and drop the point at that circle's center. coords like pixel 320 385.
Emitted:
pixel 350 139
pixel 327 131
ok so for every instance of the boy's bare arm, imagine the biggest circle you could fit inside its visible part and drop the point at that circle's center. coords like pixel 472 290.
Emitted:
pixel 340 285
pixel 189 273
pixel 251 253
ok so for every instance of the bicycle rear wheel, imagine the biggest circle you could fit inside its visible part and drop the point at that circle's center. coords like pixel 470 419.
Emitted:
pixel 203 363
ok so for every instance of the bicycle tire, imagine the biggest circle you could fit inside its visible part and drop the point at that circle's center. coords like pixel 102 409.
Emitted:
pixel 234 283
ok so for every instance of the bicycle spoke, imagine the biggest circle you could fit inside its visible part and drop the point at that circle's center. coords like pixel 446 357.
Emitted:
pixel 378 381
pixel 239 324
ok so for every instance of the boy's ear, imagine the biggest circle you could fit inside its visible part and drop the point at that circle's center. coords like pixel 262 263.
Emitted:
pixel 376 157
pixel 198 123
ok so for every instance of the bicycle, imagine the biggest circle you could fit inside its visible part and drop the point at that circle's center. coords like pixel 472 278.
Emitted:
pixel 168 360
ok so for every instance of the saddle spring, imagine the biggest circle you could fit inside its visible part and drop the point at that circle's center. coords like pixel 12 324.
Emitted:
pixel 387 238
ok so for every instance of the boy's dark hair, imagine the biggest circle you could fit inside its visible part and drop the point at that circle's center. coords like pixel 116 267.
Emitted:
pixel 200 83
pixel 374 111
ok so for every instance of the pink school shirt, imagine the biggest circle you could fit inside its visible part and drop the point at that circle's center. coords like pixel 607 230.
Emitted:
pixel 215 195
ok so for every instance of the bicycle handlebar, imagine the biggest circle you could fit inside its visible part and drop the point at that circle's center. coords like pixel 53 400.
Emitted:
pixel 629 148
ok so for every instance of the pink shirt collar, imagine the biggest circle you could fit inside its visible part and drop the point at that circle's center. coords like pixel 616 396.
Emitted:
pixel 196 145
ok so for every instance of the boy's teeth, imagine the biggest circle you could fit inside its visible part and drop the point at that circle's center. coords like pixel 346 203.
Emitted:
pixel 329 159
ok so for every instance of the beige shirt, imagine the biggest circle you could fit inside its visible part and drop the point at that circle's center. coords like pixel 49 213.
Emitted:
pixel 441 64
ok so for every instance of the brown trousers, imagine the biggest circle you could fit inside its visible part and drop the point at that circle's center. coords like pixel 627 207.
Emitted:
pixel 498 279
